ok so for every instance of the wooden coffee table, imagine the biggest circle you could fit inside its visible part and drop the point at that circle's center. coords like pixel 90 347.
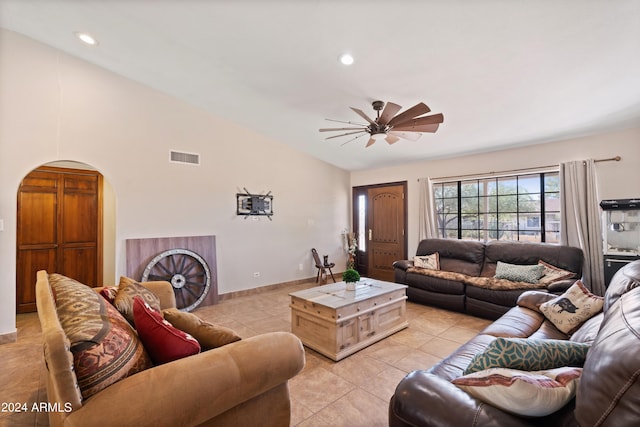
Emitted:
pixel 337 323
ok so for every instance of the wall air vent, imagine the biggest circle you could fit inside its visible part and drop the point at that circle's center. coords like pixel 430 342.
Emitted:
pixel 181 157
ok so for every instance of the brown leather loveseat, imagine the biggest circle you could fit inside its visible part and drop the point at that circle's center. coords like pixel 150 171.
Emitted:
pixel 608 393
pixel 469 262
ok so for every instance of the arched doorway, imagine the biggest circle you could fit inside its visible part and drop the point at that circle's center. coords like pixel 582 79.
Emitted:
pixel 60 223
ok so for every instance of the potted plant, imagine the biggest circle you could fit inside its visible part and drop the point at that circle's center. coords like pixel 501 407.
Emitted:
pixel 350 277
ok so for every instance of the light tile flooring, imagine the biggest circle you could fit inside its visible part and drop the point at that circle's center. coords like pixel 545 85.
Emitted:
pixel 352 392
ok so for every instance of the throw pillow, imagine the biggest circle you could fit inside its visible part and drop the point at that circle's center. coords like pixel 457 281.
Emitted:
pixel 519 273
pixel 528 354
pixel 551 273
pixel 128 289
pixel 109 293
pixel 571 309
pixel 208 335
pixel 432 262
pixel 104 346
pixel 163 342
pixel 531 394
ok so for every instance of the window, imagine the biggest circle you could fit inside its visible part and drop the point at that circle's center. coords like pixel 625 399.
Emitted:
pixel 519 207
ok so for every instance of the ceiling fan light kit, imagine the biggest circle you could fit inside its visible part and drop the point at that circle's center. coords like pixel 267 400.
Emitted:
pixel 389 125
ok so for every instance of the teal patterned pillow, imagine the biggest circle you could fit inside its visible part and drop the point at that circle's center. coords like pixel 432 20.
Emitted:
pixel 519 273
pixel 529 354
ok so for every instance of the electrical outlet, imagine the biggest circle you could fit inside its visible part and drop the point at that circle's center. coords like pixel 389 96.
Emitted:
pixel 300 267
pixel 256 274
pixel 2 226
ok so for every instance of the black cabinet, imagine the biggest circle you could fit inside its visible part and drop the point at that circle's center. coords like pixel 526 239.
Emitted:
pixel 613 263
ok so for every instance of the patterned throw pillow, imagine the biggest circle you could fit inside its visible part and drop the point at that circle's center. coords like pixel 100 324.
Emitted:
pixel 552 273
pixel 529 354
pixel 208 335
pixel 432 262
pixel 163 342
pixel 531 394
pixel 128 289
pixel 519 273
pixel 571 309
pixel 105 348
pixel 109 293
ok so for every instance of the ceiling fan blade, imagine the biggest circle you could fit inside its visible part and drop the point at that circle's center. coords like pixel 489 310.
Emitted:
pixel 411 136
pixel 390 110
pixel 344 134
pixel 362 114
pixel 334 129
pixel 422 128
pixel 347 122
pixel 353 139
pixel 392 139
pixel 370 142
pixel 426 120
pixel 415 111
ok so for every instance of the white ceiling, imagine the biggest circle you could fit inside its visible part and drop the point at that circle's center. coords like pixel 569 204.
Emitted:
pixel 505 73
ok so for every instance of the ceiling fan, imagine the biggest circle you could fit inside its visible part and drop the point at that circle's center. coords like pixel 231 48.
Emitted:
pixel 388 126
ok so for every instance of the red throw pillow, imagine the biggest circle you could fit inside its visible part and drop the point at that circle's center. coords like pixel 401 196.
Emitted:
pixel 162 341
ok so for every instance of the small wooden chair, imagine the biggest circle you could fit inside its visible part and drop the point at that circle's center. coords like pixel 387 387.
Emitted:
pixel 322 267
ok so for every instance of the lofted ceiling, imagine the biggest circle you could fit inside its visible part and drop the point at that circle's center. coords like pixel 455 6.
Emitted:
pixel 504 73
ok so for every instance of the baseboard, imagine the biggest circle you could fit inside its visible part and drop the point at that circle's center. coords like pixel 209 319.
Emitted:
pixel 9 337
pixel 261 289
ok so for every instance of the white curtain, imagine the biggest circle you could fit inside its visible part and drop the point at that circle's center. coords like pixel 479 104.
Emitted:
pixel 426 218
pixel 580 219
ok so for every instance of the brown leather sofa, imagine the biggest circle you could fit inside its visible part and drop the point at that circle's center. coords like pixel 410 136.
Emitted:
pixel 478 259
pixel 609 389
pixel 239 384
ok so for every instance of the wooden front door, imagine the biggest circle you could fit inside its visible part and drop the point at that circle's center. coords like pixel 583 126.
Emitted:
pixel 379 218
pixel 59 229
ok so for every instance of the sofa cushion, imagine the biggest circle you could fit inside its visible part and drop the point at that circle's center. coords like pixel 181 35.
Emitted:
pixel 128 289
pixel 571 309
pixel 208 335
pixel 519 273
pixel 105 348
pixel 461 256
pixel 431 262
pixel 531 394
pixel 565 257
pixel 529 354
pixel 164 342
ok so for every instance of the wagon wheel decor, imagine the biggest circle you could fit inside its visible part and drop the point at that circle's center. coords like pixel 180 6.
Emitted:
pixel 187 272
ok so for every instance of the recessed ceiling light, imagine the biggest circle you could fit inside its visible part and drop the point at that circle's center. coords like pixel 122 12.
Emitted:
pixel 346 59
pixel 86 38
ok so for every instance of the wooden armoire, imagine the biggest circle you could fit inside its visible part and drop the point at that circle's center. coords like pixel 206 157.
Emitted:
pixel 59 229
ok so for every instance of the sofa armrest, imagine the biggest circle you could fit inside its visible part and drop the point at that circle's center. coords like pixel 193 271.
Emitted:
pixel 403 264
pixel 195 389
pixel 424 399
pixel 533 299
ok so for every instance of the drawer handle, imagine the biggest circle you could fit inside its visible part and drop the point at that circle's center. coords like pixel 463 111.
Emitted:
pixel 372 333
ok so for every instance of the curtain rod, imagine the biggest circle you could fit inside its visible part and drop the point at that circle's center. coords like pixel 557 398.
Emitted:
pixel 538 168
pixel 610 159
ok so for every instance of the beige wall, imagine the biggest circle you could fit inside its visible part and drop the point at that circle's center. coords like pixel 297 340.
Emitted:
pixel 615 179
pixel 56 107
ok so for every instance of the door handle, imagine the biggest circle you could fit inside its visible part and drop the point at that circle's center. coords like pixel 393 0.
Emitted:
pixel 370 234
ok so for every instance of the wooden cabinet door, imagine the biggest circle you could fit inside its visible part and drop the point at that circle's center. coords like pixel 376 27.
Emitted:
pixel 59 229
